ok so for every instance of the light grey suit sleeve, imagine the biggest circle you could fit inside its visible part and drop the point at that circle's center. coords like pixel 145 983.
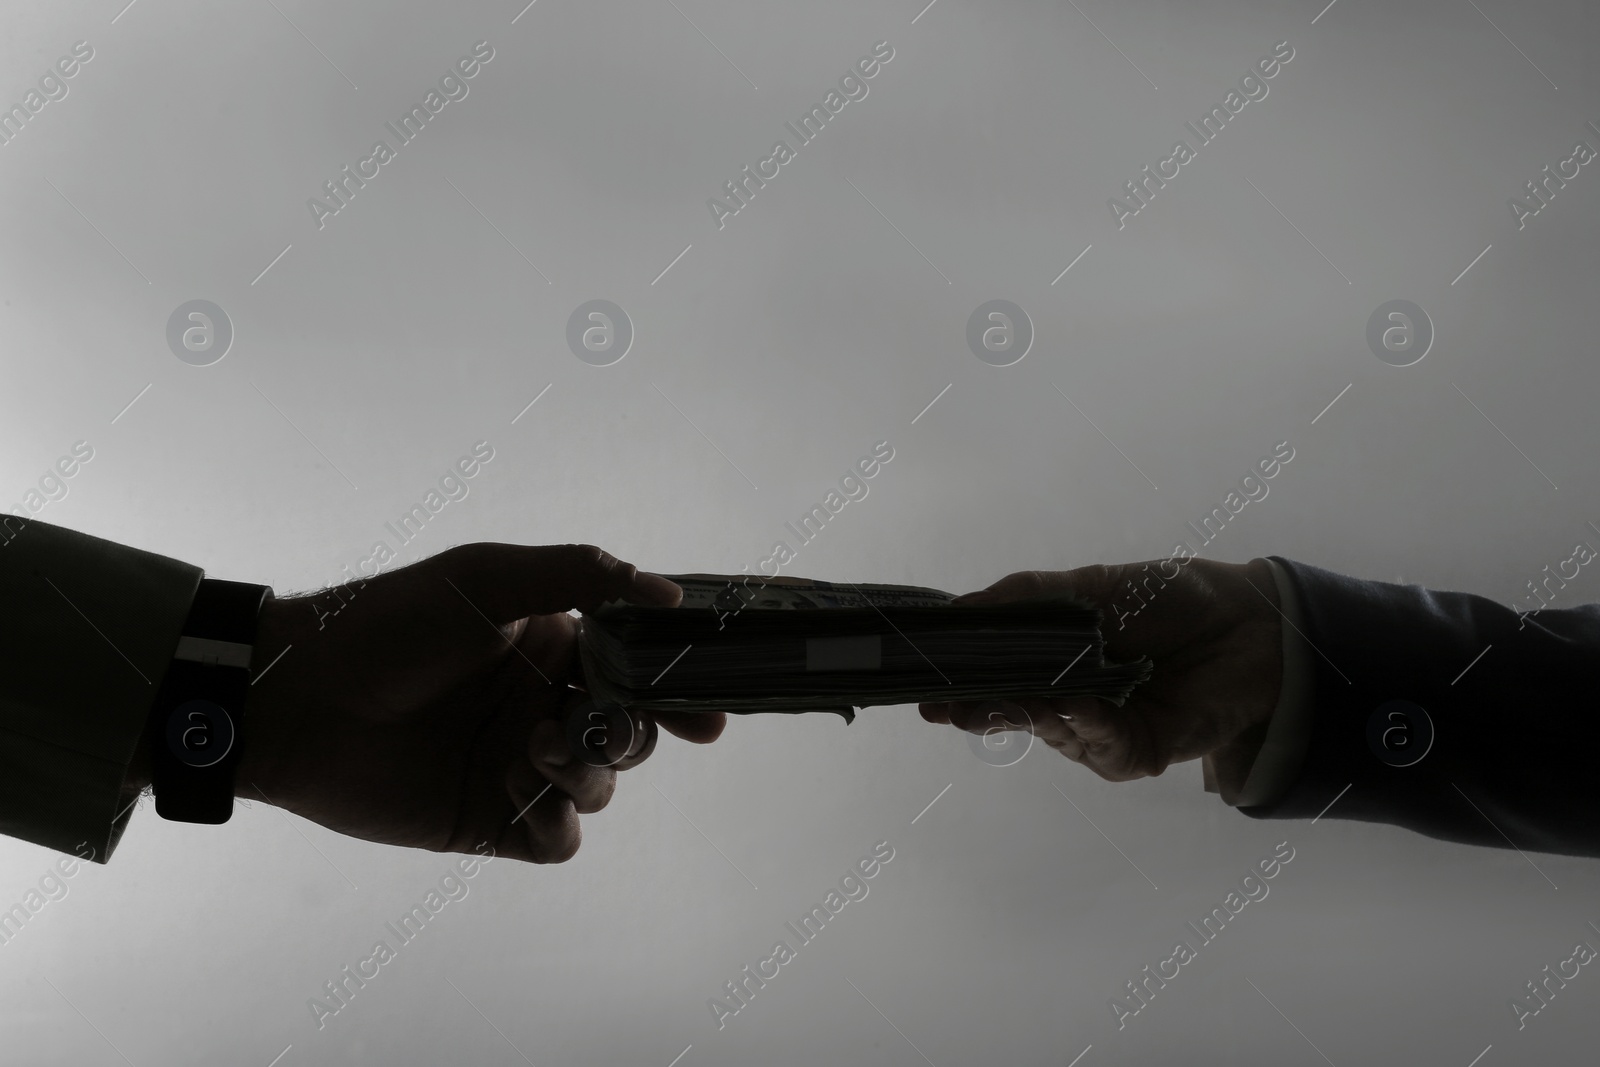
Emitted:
pixel 90 626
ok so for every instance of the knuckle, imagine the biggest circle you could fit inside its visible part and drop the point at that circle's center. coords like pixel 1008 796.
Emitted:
pixel 598 560
pixel 1024 582
pixel 558 848
pixel 586 555
pixel 603 793
pixel 568 847
pixel 457 558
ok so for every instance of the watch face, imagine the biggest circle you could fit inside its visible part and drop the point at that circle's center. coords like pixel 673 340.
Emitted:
pixel 200 733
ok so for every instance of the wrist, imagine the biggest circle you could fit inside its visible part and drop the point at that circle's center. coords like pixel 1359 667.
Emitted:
pixel 138 776
pixel 1264 633
pixel 193 733
pixel 1258 652
pixel 257 774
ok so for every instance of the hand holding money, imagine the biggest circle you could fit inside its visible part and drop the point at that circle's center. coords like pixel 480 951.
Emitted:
pixel 1214 633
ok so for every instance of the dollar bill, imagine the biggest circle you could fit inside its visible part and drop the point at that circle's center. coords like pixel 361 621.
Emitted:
pixel 747 644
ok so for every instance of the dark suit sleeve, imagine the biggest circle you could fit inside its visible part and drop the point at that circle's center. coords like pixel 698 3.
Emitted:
pixel 88 629
pixel 1513 700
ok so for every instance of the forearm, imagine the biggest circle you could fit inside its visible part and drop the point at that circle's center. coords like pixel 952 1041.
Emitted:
pixel 1511 701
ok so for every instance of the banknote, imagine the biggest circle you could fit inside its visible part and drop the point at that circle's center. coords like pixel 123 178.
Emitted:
pixel 745 644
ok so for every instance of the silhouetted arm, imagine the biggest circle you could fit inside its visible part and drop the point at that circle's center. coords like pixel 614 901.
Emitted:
pixel 90 626
pixel 1514 702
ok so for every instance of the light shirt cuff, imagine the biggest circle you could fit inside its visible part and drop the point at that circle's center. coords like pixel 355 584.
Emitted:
pixel 1282 752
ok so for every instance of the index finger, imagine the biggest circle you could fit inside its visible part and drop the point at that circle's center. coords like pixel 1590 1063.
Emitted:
pixel 510 582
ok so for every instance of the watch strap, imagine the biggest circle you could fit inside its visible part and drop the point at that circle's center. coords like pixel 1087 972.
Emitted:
pixel 196 724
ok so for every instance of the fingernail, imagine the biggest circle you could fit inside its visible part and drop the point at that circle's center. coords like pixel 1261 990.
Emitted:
pixel 981 596
pixel 657 589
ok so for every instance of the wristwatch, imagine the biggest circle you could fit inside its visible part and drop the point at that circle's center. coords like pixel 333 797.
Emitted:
pixel 196 723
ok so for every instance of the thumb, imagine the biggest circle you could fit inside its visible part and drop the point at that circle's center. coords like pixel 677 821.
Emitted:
pixel 510 582
pixel 1096 583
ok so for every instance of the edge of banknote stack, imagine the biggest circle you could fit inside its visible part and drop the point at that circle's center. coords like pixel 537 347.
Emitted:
pixel 741 644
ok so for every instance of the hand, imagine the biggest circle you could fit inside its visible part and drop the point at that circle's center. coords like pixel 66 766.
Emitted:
pixel 1214 635
pixel 426 706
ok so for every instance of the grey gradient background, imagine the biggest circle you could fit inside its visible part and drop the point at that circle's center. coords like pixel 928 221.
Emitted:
pixel 378 349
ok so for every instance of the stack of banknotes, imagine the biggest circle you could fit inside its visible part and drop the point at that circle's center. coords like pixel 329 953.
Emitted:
pixel 744 644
